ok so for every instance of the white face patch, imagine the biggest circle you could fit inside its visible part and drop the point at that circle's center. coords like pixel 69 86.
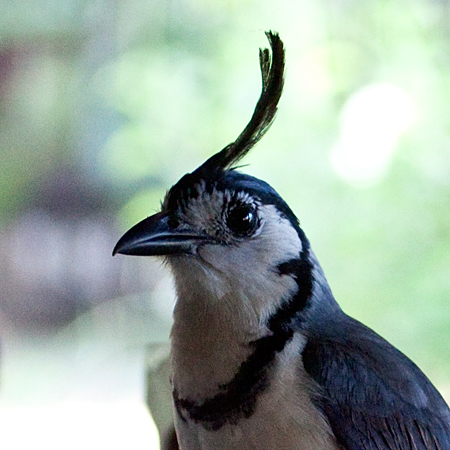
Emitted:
pixel 250 267
pixel 245 266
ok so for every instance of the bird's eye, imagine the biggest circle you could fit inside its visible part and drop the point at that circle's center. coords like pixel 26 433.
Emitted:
pixel 242 219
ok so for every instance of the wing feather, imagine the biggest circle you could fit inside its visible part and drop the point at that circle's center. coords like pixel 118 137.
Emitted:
pixel 373 396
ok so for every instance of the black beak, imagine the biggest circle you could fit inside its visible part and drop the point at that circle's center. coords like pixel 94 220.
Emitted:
pixel 153 237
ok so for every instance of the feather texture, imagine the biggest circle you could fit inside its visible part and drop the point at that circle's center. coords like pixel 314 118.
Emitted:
pixel 373 395
pixel 272 74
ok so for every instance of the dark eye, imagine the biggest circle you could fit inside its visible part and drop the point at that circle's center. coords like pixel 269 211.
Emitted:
pixel 242 219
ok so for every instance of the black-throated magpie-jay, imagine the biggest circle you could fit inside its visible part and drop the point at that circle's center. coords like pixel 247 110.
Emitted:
pixel 262 356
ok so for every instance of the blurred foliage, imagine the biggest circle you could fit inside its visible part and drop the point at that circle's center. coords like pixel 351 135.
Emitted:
pixel 131 95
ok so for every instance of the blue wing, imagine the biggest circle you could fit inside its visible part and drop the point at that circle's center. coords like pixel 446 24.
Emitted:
pixel 374 397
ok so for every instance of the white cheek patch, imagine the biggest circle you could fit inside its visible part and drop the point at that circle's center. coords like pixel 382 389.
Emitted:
pixel 276 241
pixel 279 236
pixel 250 267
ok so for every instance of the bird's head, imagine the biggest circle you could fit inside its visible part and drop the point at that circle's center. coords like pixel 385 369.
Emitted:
pixel 221 219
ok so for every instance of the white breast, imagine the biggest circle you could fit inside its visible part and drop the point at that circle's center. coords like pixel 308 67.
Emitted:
pixel 284 419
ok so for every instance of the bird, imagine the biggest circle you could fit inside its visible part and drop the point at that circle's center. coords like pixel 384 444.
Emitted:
pixel 262 355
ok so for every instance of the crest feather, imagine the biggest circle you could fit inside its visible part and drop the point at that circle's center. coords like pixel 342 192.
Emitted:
pixel 272 74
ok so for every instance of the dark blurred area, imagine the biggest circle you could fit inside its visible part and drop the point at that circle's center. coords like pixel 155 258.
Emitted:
pixel 105 104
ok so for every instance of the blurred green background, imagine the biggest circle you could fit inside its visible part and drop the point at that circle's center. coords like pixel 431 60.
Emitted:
pixel 105 104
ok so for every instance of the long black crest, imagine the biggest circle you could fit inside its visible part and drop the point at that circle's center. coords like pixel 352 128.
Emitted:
pixel 272 73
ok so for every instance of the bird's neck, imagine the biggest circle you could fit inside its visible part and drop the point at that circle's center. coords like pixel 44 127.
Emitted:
pixel 210 339
pixel 218 327
pixel 230 336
